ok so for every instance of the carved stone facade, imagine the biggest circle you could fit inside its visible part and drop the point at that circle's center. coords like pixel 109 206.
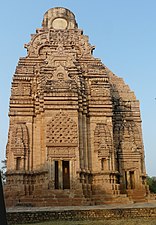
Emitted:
pixel 75 129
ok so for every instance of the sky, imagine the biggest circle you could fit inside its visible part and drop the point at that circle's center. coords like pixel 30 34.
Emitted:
pixel 124 33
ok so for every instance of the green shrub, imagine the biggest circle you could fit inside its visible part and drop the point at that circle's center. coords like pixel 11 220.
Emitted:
pixel 151 181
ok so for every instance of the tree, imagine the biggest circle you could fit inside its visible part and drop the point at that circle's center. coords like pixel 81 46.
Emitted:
pixel 3 171
pixel 2 205
pixel 151 181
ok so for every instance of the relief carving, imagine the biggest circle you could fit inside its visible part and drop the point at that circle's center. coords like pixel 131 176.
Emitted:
pixel 70 39
pixel 61 152
pixel 55 79
pixel 128 137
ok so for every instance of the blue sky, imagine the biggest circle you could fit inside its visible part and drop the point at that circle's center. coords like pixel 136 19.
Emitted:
pixel 124 33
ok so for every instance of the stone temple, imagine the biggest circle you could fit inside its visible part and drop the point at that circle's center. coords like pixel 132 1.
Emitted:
pixel 75 135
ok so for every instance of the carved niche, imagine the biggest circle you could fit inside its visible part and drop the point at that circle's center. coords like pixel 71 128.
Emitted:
pixel 20 140
pixel 103 140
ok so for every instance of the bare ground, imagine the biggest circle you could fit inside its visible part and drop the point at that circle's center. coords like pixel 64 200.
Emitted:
pixel 141 221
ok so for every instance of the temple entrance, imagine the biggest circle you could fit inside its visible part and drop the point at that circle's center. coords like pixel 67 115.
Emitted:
pixel 66 175
pixel 62 175
pixel 132 180
pixel 129 179
pixel 18 163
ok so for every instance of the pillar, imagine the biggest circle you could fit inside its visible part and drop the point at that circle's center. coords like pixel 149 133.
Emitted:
pixel 60 174
pixel 81 141
pixel 85 147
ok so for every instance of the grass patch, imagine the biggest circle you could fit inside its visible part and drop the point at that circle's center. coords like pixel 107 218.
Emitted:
pixel 141 221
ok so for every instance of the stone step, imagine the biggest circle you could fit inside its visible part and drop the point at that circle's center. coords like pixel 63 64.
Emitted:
pixel 137 195
pixel 45 201
pixel 109 199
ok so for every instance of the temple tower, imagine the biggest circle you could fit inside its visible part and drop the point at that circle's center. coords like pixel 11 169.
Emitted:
pixel 75 134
